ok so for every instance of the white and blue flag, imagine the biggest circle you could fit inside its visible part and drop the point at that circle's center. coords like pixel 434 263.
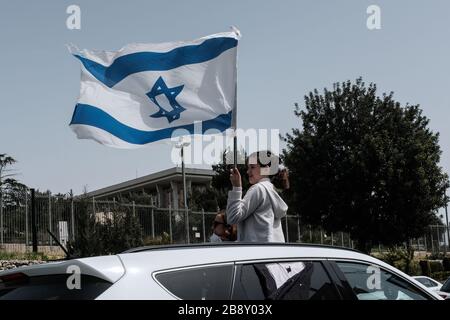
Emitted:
pixel 143 93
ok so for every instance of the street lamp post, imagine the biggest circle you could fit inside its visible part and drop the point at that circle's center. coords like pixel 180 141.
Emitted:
pixel 181 145
pixel 446 218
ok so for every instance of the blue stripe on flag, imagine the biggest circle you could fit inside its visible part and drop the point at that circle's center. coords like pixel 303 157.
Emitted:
pixel 157 61
pixel 93 116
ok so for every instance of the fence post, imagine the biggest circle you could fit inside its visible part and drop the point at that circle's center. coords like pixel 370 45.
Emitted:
pixel 26 221
pixel 33 222
pixel 298 230
pixel 1 219
pixel 72 218
pixel 332 239
pixel 188 240
pixel 170 223
pixel 342 238
pixel 153 224
pixel 134 209
pixel 203 223
pixel 321 236
pixel 287 229
pixel 310 234
pixel 50 218
pixel 438 239
pixel 431 236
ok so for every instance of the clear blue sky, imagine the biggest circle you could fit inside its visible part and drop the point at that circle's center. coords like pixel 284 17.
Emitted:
pixel 288 48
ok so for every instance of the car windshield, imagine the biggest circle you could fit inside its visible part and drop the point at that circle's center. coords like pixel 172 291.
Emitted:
pixel 446 286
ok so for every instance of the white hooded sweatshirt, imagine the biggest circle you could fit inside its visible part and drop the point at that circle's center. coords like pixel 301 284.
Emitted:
pixel 259 214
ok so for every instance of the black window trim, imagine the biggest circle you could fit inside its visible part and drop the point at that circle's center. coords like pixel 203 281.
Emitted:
pixel 348 260
pixel 200 266
pixel 339 283
pixel 282 260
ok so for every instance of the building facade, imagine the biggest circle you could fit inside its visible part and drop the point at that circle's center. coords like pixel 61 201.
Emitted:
pixel 162 189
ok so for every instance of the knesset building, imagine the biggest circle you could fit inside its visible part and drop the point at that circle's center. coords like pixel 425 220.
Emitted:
pixel 163 189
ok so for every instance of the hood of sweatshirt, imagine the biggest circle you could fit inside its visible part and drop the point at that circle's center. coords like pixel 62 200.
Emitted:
pixel 279 206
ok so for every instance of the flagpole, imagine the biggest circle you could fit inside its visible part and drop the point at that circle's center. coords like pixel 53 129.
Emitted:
pixel 185 194
pixel 235 123
pixel 235 107
pixel 181 144
pixel 446 219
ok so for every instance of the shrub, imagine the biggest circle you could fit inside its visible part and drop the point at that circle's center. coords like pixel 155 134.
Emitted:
pixel 402 259
pixel 446 263
pixel 164 239
pixel 23 256
pixel 436 266
pixel 425 267
pixel 110 233
pixel 441 276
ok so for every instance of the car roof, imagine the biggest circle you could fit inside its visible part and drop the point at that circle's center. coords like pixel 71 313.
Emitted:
pixel 233 244
pixel 171 256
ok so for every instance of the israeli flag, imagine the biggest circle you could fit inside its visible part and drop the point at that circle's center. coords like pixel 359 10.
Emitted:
pixel 145 93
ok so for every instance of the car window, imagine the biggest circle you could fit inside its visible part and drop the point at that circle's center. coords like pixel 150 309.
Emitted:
pixel 426 282
pixel 298 280
pixel 203 283
pixel 52 287
pixel 435 283
pixel 373 283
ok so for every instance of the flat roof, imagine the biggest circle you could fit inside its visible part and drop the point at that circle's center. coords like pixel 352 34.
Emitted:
pixel 175 173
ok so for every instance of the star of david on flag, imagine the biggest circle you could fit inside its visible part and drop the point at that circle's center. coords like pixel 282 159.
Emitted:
pixel 143 93
pixel 160 87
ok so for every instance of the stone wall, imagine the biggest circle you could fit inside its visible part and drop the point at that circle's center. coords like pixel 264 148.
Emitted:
pixel 11 264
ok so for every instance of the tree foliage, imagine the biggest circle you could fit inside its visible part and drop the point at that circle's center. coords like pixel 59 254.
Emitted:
pixel 364 164
pixel 12 192
pixel 102 233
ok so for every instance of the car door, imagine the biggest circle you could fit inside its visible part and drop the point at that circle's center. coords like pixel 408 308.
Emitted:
pixel 284 280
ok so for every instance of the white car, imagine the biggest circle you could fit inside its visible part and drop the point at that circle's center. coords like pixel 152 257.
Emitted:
pixel 428 282
pixel 221 271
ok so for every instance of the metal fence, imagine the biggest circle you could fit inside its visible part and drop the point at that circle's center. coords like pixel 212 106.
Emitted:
pixel 59 215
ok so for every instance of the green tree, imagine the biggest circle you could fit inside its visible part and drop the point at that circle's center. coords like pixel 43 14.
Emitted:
pixel 5 162
pixel 364 164
pixel 104 232
pixel 6 182
pixel 204 199
pixel 12 193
